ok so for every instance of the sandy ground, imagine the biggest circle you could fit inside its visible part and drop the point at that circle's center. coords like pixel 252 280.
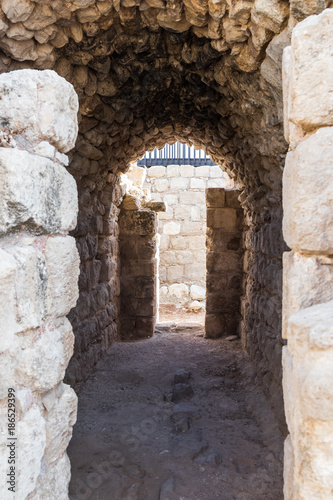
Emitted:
pixel 175 417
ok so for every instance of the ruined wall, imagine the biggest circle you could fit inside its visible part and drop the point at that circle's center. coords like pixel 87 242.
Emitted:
pixel 39 268
pixel 138 272
pixel 308 267
pixel 182 229
pixel 224 262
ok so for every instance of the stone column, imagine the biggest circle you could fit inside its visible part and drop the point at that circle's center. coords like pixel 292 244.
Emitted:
pixel 138 272
pixel 308 267
pixel 39 268
pixel 224 262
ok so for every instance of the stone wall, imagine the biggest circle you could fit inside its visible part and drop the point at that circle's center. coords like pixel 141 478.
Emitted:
pixel 182 229
pixel 138 271
pixel 308 267
pixel 224 262
pixel 39 268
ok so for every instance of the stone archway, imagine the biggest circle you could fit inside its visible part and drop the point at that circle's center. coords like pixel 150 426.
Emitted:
pixel 203 72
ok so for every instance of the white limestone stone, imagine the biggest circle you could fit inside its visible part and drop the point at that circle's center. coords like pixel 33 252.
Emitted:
pixel 31 436
pixel 62 264
pixel 187 170
pixel 197 242
pixel 161 185
pixel 192 198
pixel 196 213
pixel 175 273
pixel 179 290
pixel 311 72
pixel 53 481
pixel 183 212
pixel 198 292
pixel 35 192
pixel 216 183
pixel 47 110
pixel 171 228
pixel 179 184
pixel 7 300
pixel 191 228
pixel 157 171
pixel 195 306
pixel 171 199
pixel 30 286
pixel 44 355
pixel 307 280
pixel 173 171
pixel 215 171
pixel 196 183
pixel 308 220
pixel 178 242
pixel 202 171
pixel 59 424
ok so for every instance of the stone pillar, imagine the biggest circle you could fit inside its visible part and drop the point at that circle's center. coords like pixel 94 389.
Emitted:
pixel 138 272
pixel 39 268
pixel 308 267
pixel 224 262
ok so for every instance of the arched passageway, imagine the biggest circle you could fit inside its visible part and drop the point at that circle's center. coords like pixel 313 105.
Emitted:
pixel 146 72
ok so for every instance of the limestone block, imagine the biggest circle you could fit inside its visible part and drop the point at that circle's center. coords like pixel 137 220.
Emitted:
pixel 171 199
pixel 138 222
pixel 216 183
pixel 162 185
pixel 307 281
pixel 308 219
pixel 44 355
pixel 179 291
pixel 198 292
pixel 191 228
pixel 62 267
pixel 171 228
pixel 197 183
pixel 195 213
pixel 7 299
pixel 196 242
pixel 53 481
pixel 166 215
pixel 183 212
pixel 185 257
pixel 202 171
pixel 225 218
pixel 32 438
pixel 168 258
pixel 311 72
pixel 187 170
pixel 30 285
pixel 179 242
pixel 215 198
pixel 288 469
pixel 36 193
pixel 231 198
pixel 192 198
pixel 175 273
pixel 164 242
pixel 195 271
pixel 179 183
pixel 59 423
pixel 46 111
pixel 173 171
pixel 156 172
pixel 215 171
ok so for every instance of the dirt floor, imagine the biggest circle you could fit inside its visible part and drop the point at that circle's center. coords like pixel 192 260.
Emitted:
pixel 175 417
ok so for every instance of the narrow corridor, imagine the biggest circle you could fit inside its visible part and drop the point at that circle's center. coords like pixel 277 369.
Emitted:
pixel 175 417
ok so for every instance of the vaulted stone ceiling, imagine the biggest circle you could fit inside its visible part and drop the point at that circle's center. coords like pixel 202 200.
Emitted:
pixel 205 72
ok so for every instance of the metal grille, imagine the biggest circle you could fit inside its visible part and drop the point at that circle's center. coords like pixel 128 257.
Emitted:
pixel 177 154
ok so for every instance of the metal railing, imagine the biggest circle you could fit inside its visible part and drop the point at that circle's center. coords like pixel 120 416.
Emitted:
pixel 177 154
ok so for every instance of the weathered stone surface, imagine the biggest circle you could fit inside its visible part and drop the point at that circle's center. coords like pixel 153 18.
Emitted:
pixel 17 11
pixel 47 112
pixel 311 95
pixel 7 299
pixel 35 193
pixel 59 423
pixel 308 220
pixel 42 362
pixel 62 264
